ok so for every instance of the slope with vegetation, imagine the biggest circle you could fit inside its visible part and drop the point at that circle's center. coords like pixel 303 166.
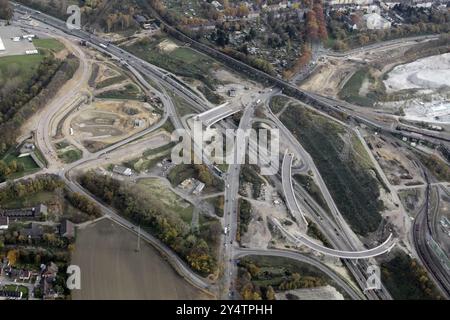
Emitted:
pixel 344 168
pixel 170 228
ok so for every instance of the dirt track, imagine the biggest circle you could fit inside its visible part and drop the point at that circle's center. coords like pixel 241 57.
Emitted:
pixel 112 269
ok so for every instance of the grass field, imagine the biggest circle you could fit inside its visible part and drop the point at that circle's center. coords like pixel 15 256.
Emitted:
pixel 112 269
pixel 70 155
pixel 110 81
pixel 351 90
pixel 277 103
pixel 29 165
pixel 181 61
pixel 26 66
pixel 162 196
pixel 52 45
pixel 129 92
pixel 31 200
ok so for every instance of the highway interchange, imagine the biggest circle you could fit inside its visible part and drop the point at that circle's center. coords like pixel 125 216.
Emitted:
pixel 297 199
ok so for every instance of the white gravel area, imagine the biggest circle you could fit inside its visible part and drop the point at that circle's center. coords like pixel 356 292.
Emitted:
pixel 427 73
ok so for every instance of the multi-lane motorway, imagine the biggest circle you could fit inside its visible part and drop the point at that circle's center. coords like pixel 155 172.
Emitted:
pixel 141 69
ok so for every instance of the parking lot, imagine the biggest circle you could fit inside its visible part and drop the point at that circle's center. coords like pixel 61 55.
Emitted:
pixel 12 48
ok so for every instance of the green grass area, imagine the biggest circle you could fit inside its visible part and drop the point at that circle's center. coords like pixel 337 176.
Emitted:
pixel 350 182
pixel 150 158
pixel 28 164
pixel 277 103
pixel 350 91
pixel 110 81
pixel 161 196
pixel 24 67
pixel 181 60
pixel 128 92
pixel 52 45
pixel 31 200
pixel 406 279
pixel 71 155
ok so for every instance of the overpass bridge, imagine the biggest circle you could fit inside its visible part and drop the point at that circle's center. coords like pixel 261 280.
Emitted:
pixel 288 189
pixel 385 247
pixel 212 116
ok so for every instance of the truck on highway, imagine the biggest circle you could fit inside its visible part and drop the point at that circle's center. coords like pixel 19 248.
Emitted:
pixel 104 46
pixel 225 230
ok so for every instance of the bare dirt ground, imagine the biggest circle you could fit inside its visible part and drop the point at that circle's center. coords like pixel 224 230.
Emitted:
pixel 107 121
pixel 112 269
pixel 31 124
pixel 399 167
pixel 319 293
pixel 167 46
pixel 331 73
pixel 329 76
pixel 105 72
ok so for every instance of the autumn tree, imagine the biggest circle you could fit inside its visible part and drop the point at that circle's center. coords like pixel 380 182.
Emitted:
pixel 6 11
pixel 13 257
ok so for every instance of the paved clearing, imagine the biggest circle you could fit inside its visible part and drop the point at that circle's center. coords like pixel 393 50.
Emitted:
pixel 112 269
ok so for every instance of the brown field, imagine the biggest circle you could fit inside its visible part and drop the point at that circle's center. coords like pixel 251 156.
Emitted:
pixel 112 269
pixel 107 121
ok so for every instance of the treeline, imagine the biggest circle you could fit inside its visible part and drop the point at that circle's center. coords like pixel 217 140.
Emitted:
pixel 201 172
pixel 84 204
pixel 419 21
pixel 22 188
pixel 406 279
pixel 110 15
pixel 6 11
pixel 169 228
pixel 20 103
pixel 281 32
pixel 250 174
pixel 259 278
pixel 437 167
pixel 245 215
pixel 257 63
pixel 7 169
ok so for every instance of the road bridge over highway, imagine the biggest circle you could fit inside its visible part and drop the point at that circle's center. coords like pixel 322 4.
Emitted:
pixel 212 116
pixel 288 189
pixel 385 247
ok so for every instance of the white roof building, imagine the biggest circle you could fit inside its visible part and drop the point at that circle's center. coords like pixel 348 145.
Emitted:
pixel 376 22
pixel 124 171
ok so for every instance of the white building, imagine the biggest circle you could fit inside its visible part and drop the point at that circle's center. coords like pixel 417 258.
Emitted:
pixel 2 46
pixel 124 171
pixel 376 22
